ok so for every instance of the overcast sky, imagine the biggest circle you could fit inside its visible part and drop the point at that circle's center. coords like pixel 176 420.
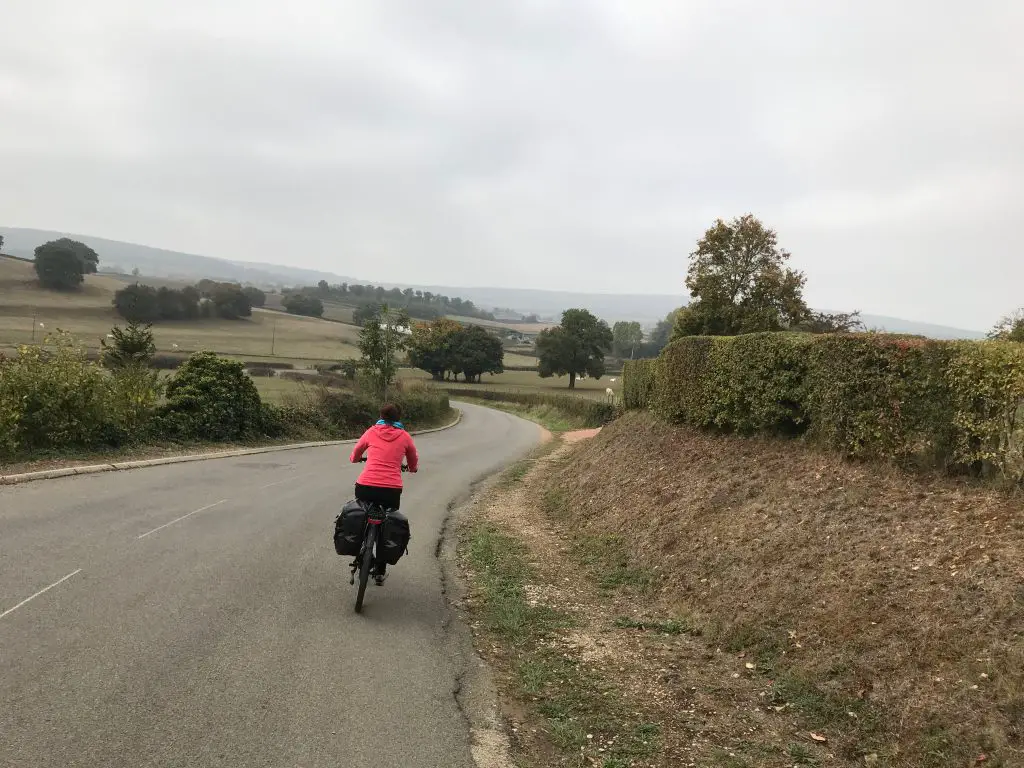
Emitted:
pixel 583 144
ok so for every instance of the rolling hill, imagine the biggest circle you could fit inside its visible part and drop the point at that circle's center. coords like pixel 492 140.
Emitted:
pixel 160 263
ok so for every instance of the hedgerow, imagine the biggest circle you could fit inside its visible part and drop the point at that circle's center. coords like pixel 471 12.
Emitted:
pixel 951 405
pixel 637 383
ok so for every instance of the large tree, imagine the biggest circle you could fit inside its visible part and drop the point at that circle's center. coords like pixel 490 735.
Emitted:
pixel 59 268
pixel 88 257
pixel 740 283
pixel 430 346
pixel 476 352
pixel 574 348
pixel 626 339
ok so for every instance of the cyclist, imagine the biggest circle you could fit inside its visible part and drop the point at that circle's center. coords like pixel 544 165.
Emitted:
pixel 385 444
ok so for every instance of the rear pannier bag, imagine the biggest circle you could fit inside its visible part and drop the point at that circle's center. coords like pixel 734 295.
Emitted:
pixel 394 538
pixel 348 529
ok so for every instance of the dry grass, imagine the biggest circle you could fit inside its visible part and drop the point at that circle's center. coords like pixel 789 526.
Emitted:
pixel 592 669
pixel 88 315
pixel 527 381
pixel 887 609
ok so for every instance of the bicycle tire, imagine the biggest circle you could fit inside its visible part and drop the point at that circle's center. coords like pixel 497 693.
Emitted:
pixel 365 565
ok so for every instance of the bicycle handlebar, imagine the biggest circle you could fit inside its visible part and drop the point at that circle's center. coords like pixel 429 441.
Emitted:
pixel 405 467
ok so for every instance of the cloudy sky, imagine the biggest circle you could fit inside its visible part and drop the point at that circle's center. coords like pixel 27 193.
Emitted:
pixel 581 144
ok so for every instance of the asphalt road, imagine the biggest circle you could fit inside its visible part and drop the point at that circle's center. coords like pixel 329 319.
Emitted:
pixel 197 615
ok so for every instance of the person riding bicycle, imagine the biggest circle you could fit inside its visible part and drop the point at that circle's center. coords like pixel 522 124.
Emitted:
pixel 385 445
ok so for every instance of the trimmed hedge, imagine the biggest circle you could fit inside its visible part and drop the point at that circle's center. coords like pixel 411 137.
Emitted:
pixel 952 405
pixel 590 413
pixel 637 383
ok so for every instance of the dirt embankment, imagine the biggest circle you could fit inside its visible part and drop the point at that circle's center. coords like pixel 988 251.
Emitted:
pixel 887 610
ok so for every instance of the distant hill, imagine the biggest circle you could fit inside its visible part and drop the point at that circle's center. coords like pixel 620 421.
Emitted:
pixel 157 262
pixel 161 263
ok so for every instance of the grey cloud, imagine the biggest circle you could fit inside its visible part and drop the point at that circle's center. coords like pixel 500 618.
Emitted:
pixel 580 145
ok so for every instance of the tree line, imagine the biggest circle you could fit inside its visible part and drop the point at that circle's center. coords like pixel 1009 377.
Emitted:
pixel 420 305
pixel 140 303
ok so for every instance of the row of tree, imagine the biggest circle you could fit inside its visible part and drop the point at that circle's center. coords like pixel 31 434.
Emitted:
pixel 207 299
pixel 444 348
pixel 421 305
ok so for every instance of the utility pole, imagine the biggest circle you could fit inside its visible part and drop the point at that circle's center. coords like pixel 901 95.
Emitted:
pixel 273 337
pixel 33 327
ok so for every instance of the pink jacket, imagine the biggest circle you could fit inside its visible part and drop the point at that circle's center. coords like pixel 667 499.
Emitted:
pixel 385 447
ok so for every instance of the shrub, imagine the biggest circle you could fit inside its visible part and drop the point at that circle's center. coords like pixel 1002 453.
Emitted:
pixel 879 396
pixel 135 390
pixel 682 381
pixel 986 380
pixel 54 399
pixel 757 383
pixel 211 398
pixel 637 383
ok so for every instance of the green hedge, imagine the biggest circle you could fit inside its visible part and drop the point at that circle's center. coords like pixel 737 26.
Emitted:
pixel 637 383
pixel 954 405
pixel 588 412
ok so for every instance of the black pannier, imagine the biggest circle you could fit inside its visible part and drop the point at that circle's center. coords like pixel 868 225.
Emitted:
pixel 394 538
pixel 348 529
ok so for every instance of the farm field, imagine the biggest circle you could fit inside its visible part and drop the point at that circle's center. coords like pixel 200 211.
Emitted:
pixel 525 381
pixel 521 327
pixel 28 313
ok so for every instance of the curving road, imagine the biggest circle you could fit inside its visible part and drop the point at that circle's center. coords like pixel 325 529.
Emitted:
pixel 196 615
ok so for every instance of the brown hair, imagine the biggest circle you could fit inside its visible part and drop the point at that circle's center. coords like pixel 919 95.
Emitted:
pixel 390 413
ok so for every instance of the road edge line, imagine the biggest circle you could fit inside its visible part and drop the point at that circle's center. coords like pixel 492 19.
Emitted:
pixel 92 469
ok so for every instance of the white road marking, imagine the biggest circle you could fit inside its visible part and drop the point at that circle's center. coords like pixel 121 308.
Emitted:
pixel 179 519
pixel 40 592
pixel 286 480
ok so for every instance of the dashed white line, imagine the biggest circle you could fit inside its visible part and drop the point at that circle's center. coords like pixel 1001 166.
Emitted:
pixel 40 592
pixel 179 519
pixel 286 480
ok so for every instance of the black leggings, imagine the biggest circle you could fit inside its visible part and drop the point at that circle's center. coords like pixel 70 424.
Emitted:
pixel 389 498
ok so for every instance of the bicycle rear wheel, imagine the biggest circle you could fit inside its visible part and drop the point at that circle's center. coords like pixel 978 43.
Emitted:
pixel 365 564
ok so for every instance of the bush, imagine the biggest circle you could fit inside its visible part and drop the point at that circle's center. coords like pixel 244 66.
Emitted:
pixel 211 398
pixel 55 399
pixel 878 396
pixel 588 412
pixel 682 381
pixel 987 392
pixel 757 384
pixel 637 384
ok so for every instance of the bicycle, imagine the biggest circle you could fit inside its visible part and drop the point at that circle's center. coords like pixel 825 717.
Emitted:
pixel 376 517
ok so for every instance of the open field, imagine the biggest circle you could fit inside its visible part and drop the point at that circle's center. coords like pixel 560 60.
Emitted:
pixel 525 381
pixel 28 314
pixel 521 327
